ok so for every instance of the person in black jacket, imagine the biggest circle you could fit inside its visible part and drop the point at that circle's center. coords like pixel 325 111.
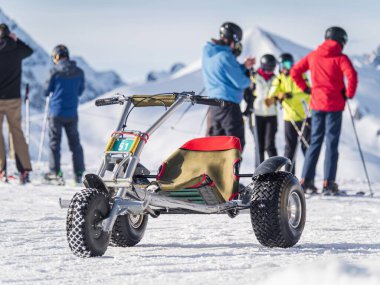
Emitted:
pixel 12 52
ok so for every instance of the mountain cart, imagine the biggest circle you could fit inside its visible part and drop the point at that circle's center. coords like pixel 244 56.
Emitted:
pixel 201 177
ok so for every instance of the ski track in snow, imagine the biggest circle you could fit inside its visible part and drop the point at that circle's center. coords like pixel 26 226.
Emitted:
pixel 340 245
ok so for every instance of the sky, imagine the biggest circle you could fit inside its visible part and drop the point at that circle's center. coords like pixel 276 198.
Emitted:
pixel 135 37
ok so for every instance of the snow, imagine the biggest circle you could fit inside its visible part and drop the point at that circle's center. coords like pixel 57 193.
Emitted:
pixel 340 245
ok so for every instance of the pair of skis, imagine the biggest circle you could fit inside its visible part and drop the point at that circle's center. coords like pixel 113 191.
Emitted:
pixel 342 194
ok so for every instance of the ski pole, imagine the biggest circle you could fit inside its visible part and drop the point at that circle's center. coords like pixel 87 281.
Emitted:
pixel 360 149
pixel 299 137
pixel 298 131
pixel 27 114
pixel 44 123
pixel 295 125
pixel 253 127
pixel 203 121
pixel 185 112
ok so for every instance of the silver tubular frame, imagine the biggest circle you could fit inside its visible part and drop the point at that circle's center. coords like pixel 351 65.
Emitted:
pixel 122 205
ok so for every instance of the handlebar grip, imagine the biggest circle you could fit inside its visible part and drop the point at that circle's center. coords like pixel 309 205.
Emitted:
pixel 209 101
pixel 108 101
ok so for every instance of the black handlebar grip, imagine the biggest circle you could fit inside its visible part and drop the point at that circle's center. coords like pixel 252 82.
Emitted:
pixel 209 102
pixel 107 101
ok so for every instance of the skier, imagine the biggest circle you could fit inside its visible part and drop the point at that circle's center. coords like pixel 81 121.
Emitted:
pixel 264 107
pixel 66 83
pixel 12 52
pixel 328 67
pixel 225 79
pixel 291 98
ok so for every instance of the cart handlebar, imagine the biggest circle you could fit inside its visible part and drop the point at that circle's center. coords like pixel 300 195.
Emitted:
pixel 109 101
pixel 203 100
pixel 188 96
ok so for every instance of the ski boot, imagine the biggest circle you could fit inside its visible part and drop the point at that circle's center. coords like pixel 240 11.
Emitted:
pixel 309 187
pixel 3 176
pixel 24 177
pixel 54 178
pixel 78 177
pixel 330 188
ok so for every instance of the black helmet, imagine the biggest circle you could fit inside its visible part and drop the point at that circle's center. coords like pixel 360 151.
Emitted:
pixel 286 61
pixel 4 31
pixel 60 51
pixel 231 32
pixel 286 57
pixel 268 62
pixel 337 34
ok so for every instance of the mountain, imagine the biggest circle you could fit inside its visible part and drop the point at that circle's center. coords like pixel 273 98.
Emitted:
pixel 96 124
pixel 163 74
pixel 369 59
pixel 36 70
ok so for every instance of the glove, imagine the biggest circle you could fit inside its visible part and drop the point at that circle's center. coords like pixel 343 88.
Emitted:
pixel 344 95
pixel 247 73
pixel 288 95
pixel 307 91
pixel 270 101
pixel 282 96
pixel 248 98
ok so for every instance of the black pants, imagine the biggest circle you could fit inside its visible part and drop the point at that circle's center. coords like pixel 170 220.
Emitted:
pixel 291 138
pixel 266 133
pixel 55 135
pixel 226 121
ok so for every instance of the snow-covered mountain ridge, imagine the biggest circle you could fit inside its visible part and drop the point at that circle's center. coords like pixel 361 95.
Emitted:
pixel 36 70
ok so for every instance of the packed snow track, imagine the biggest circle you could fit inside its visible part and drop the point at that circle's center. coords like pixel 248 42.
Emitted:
pixel 340 245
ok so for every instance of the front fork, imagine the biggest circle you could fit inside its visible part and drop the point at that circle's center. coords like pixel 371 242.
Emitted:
pixel 121 205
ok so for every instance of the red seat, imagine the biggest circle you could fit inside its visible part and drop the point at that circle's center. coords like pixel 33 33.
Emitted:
pixel 215 143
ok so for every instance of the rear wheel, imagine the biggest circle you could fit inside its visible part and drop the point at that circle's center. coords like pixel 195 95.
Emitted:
pixel 85 236
pixel 128 230
pixel 278 209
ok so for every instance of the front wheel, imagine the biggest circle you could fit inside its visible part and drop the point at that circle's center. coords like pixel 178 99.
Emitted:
pixel 85 236
pixel 278 209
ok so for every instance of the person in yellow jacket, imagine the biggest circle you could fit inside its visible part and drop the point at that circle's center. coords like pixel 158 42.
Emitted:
pixel 294 101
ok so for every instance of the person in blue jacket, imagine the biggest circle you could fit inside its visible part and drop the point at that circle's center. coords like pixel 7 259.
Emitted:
pixel 66 84
pixel 225 78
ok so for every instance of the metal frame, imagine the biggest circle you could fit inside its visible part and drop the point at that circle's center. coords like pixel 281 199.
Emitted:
pixel 132 199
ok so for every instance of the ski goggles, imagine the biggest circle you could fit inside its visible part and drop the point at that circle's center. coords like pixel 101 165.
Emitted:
pixel 267 67
pixel 286 64
pixel 238 49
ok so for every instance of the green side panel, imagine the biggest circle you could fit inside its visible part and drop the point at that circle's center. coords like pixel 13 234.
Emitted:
pixel 191 195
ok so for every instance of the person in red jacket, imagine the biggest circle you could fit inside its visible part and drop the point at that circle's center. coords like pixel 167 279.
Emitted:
pixel 328 67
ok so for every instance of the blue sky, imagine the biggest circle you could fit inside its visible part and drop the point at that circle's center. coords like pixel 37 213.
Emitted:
pixel 134 37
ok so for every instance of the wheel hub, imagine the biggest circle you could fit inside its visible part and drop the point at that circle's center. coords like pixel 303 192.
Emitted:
pixel 136 220
pixel 96 228
pixel 294 210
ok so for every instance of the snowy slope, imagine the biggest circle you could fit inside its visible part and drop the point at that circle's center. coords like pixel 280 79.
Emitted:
pixel 98 123
pixel 36 70
pixel 340 246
